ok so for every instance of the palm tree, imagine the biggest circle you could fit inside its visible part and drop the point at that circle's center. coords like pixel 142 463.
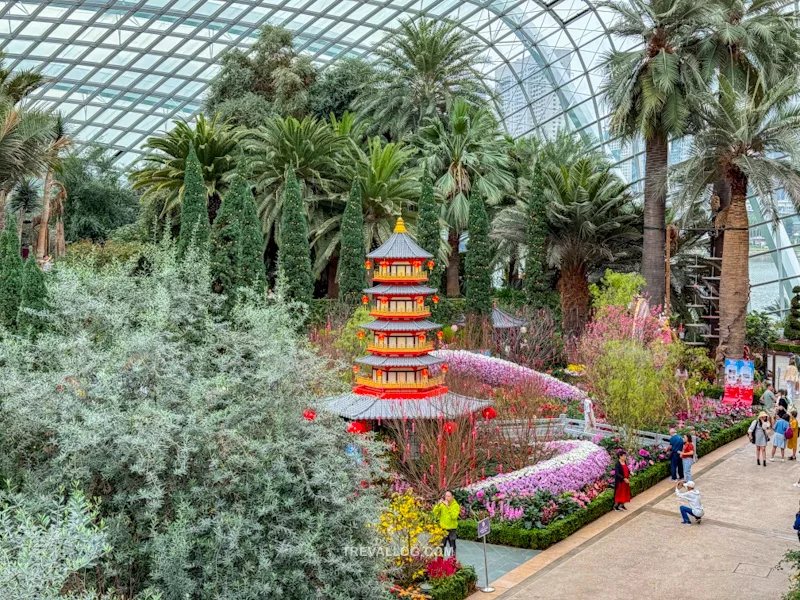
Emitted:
pixel 24 136
pixel 648 88
pixel 422 68
pixel 217 145
pixel 593 221
pixel 752 39
pixel 313 149
pixel 59 141
pixel 17 85
pixel 463 151
pixel 387 185
pixel 25 200
pixel 752 139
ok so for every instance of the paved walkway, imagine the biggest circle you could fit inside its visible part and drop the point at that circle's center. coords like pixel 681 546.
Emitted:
pixel 501 559
pixel 647 553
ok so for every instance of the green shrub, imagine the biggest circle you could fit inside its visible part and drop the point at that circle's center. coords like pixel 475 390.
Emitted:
pixel 509 534
pixel 785 347
pixel 99 256
pixel 456 587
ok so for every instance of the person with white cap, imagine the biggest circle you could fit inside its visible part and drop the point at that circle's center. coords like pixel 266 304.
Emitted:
pixel 692 496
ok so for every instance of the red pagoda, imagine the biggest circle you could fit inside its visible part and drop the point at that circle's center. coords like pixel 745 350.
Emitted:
pixel 399 377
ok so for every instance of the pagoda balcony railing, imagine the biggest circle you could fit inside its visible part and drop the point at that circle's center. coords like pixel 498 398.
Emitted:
pixel 387 312
pixel 410 385
pixel 426 347
pixel 416 277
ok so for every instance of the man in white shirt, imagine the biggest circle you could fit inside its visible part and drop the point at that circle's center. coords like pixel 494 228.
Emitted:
pixel 692 496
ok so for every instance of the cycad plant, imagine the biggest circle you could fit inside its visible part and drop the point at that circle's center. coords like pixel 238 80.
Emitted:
pixel 163 170
pixel 422 69
pixel 25 200
pixel 752 139
pixel 648 89
pixel 464 151
pixel 593 222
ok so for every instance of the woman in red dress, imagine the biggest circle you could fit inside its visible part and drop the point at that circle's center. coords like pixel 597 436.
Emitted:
pixel 622 485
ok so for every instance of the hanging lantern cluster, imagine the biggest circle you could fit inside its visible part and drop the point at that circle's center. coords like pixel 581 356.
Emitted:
pixel 450 427
pixel 309 415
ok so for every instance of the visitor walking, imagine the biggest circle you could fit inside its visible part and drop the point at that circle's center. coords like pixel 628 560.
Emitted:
pixel 447 511
pixel 779 439
pixel 687 457
pixel 675 463
pixel 797 523
pixel 692 496
pixel 622 484
pixel 768 398
pixel 758 436
pixel 791 378
pixel 791 441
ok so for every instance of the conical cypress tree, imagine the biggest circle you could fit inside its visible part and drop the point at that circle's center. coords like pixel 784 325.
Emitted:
pixel 33 296
pixel 294 255
pixel 792 329
pixel 252 269
pixel 479 258
pixel 537 275
pixel 10 277
pixel 429 235
pixel 194 207
pixel 352 273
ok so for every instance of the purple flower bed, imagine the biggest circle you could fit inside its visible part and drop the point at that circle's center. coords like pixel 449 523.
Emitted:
pixel 496 371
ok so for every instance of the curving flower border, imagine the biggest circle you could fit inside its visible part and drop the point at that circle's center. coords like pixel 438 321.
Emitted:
pixel 579 464
pixel 496 371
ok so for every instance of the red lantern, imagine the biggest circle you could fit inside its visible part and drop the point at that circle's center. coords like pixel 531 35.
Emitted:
pixel 420 300
pixel 435 299
pixel 364 299
pixel 444 368
pixel 489 413
pixel 379 373
pixel 417 264
pixel 357 427
pixel 384 300
pixel 439 335
pixel 430 264
pixel 360 335
pixel 355 368
pixel 421 337
pixel 450 427
pixel 309 415
pixel 368 264
pixel 381 337
pixel 424 372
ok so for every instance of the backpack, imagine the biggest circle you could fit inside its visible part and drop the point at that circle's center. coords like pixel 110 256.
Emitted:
pixel 789 433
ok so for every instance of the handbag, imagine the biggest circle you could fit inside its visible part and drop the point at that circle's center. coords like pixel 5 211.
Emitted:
pixel 789 433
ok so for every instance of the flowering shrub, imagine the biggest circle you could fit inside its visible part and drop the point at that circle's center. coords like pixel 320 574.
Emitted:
pixel 499 372
pixel 575 370
pixel 579 464
pixel 442 567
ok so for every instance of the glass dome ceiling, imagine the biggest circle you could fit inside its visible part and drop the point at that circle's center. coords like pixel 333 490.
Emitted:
pixel 122 70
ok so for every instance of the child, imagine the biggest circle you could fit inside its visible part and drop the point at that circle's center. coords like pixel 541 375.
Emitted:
pixel 797 524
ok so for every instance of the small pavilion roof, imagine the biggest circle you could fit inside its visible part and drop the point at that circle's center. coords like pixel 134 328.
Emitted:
pixel 359 406
pixel 503 320
pixel 400 245
pixel 425 360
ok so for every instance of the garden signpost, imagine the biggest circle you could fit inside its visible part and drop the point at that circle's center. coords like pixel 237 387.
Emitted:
pixel 483 530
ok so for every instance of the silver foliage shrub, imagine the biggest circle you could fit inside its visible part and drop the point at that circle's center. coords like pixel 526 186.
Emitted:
pixel 190 431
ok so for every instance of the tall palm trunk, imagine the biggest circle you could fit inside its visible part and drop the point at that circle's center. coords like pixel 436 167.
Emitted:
pixel 722 190
pixel 21 224
pixel 332 269
pixel 573 288
pixel 3 196
pixel 734 290
pixel 43 240
pixel 513 274
pixel 655 200
pixel 453 286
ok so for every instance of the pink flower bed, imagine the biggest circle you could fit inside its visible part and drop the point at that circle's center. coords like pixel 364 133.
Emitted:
pixel 578 464
pixel 496 371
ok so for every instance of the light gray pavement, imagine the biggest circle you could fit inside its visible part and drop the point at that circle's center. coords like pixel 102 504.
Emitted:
pixel 501 559
pixel 648 553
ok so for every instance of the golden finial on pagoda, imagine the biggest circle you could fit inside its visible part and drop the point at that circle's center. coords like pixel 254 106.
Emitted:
pixel 400 227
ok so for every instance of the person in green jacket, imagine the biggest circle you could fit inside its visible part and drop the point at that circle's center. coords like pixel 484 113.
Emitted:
pixel 447 511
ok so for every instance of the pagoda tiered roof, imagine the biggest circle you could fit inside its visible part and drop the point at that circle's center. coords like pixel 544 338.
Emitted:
pixel 359 406
pixel 400 245
pixel 401 290
pixel 389 326
pixel 426 360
